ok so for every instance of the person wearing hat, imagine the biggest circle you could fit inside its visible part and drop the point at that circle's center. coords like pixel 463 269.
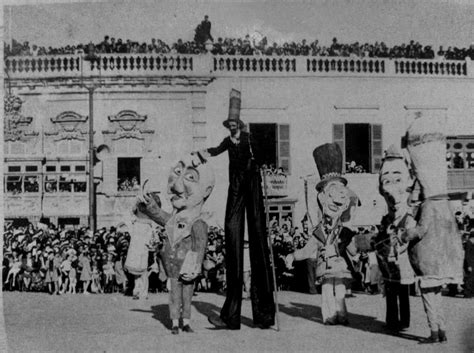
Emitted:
pixel 331 241
pixel 244 196
pixel 395 185
pixel 435 247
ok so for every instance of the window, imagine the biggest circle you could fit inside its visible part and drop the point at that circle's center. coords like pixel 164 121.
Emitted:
pixel 31 183
pixel 361 146
pixel 128 174
pixel 460 152
pixel 51 183
pixel 272 142
pixel 31 168
pixel 14 168
pixel 13 184
pixel 281 213
pixel 65 180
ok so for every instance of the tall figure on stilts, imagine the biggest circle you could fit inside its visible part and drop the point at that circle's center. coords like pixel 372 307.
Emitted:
pixel 244 195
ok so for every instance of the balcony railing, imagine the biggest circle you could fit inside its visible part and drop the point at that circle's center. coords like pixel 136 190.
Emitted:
pixel 108 65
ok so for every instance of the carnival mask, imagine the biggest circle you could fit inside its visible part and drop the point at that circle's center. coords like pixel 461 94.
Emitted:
pixel 334 199
pixel 395 182
pixel 190 184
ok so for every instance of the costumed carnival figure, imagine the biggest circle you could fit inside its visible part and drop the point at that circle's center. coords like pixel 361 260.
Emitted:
pixel 190 183
pixel 395 185
pixel 244 195
pixel 435 245
pixel 331 242
pixel 141 230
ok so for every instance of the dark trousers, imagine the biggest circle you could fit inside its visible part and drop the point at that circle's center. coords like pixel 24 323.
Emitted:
pixel 469 285
pixel 398 304
pixel 245 194
pixel 311 275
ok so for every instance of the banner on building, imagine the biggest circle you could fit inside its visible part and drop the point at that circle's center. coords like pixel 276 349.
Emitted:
pixel 277 185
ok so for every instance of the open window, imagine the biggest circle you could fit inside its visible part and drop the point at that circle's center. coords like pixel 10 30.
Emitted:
pixel 273 145
pixel 361 146
pixel 128 174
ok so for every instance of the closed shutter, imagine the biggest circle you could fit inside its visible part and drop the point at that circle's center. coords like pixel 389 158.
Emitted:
pixel 338 136
pixel 377 152
pixel 284 147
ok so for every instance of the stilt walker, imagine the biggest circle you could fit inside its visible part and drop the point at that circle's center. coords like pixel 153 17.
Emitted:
pixel 244 198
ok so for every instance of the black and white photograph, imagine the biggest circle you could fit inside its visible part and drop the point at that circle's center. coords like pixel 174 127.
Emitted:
pixel 237 176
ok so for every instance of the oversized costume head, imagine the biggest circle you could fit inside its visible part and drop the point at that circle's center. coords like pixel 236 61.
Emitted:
pixel 334 198
pixel 190 183
pixel 395 181
pixel 426 144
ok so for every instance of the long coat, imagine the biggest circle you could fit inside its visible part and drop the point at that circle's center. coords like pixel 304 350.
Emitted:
pixel 435 250
pixel 401 269
pixel 315 245
pixel 192 237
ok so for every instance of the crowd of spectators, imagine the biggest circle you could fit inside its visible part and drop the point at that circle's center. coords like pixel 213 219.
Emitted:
pixel 44 258
pixel 204 42
pixel 128 184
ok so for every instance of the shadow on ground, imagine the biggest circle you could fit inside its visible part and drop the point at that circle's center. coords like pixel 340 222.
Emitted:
pixel 208 309
pixel 356 321
pixel 160 313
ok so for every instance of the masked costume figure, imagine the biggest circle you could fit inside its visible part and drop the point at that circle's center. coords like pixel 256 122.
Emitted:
pixel 331 242
pixel 395 185
pixel 190 184
pixel 435 247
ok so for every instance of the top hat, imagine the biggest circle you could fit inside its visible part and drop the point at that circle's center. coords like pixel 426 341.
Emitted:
pixel 328 158
pixel 234 109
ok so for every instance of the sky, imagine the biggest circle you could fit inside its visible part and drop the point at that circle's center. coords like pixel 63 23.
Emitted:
pixel 447 23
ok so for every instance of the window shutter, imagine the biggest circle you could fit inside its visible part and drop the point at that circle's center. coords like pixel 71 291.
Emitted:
pixel 338 136
pixel 376 146
pixel 284 147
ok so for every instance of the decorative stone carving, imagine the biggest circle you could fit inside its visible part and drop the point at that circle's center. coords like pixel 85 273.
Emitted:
pixel 69 126
pixel 128 124
pixel 17 126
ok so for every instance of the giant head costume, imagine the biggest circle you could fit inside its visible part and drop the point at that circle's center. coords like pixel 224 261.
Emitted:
pixel 334 198
pixel 190 183
pixel 395 181
pixel 436 251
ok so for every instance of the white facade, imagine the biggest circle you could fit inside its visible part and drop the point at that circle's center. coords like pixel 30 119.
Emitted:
pixel 158 116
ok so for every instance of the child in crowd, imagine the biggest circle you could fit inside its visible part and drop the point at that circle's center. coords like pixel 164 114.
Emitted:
pixel 72 279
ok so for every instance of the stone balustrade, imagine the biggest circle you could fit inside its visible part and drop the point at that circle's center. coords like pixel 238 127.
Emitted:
pixel 120 65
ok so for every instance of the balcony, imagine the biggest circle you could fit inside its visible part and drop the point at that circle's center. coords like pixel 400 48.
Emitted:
pixel 178 65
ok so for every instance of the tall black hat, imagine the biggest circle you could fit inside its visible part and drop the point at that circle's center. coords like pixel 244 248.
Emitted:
pixel 328 158
pixel 234 109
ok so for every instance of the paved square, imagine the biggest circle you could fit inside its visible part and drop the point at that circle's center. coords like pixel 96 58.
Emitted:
pixel 37 322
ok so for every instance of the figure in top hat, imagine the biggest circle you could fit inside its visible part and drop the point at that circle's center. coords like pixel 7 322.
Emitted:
pixel 331 242
pixel 244 195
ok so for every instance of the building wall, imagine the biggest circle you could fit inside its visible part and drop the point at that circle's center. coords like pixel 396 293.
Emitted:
pixel 187 118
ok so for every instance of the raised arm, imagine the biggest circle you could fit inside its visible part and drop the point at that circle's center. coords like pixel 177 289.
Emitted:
pixel 215 151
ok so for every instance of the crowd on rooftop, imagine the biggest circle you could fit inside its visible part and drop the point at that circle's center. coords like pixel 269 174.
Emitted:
pixel 204 42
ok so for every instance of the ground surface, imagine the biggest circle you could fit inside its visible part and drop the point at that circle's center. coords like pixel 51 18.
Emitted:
pixel 114 323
